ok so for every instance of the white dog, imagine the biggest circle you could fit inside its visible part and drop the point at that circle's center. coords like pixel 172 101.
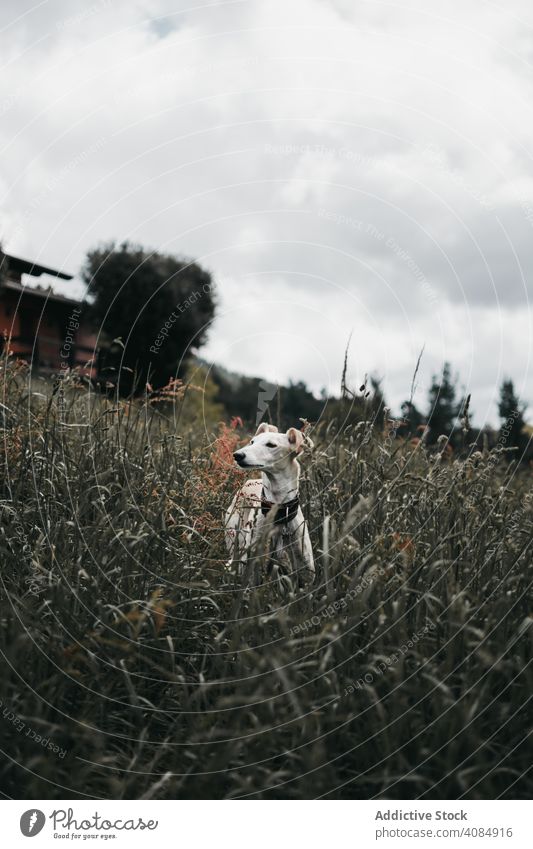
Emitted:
pixel 271 505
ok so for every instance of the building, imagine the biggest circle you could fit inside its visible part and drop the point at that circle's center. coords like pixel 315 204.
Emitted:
pixel 41 326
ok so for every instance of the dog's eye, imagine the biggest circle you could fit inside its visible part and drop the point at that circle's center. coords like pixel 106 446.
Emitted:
pixel 270 444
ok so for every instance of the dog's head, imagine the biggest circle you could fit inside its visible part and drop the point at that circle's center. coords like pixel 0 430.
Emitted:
pixel 270 450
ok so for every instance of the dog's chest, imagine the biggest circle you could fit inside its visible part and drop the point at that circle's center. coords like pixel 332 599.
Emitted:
pixel 287 529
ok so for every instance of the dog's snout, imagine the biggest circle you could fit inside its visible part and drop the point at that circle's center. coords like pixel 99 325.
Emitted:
pixel 238 455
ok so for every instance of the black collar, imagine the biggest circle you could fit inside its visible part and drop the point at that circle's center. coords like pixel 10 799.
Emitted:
pixel 285 513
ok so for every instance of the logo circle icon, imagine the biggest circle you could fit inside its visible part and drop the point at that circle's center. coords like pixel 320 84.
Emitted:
pixel 32 822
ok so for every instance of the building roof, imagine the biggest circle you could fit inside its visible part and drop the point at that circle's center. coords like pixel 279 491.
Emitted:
pixel 24 266
pixel 39 292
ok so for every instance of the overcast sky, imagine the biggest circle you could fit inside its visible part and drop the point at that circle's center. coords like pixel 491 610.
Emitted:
pixel 339 166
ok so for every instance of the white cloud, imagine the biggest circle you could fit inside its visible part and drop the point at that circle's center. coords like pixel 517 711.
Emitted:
pixel 255 135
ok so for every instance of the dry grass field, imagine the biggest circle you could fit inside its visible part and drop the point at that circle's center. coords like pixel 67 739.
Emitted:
pixel 136 665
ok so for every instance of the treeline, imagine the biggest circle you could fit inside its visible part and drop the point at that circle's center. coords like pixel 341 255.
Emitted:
pixel 153 312
pixel 444 422
pixel 447 419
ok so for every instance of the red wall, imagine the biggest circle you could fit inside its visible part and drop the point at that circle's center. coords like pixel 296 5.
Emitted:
pixel 23 315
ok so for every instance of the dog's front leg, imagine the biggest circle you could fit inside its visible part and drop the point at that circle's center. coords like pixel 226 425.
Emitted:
pixel 308 561
pixel 237 532
pixel 302 554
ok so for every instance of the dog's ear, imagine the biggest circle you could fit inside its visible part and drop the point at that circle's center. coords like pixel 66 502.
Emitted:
pixel 296 439
pixel 264 427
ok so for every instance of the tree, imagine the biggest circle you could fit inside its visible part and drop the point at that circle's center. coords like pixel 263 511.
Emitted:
pixel 254 399
pixel 298 402
pixel 157 306
pixel 413 419
pixel 3 265
pixel 511 410
pixel 377 403
pixel 238 394
pixel 3 274
pixel 443 408
pixel 200 406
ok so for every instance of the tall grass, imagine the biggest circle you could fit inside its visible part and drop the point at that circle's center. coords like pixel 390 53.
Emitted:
pixel 131 649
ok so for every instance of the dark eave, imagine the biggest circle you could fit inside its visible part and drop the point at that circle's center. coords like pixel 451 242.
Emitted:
pixel 24 266
pixel 39 292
